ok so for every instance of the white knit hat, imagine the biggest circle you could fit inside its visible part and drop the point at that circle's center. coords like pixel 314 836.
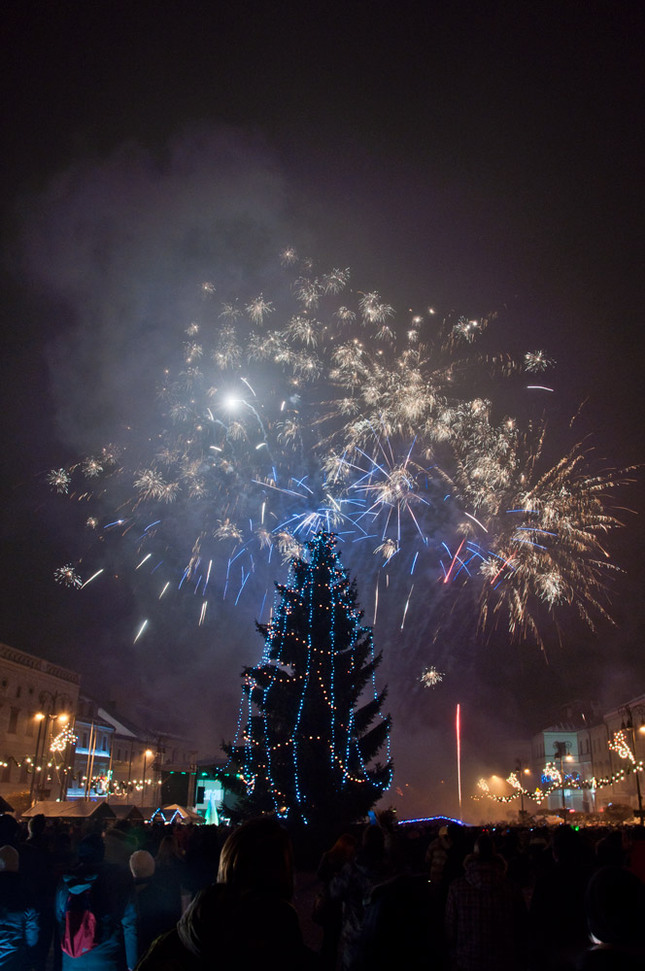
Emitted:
pixel 142 864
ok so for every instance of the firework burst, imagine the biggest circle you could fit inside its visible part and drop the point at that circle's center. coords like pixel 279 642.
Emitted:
pixel 68 577
pixel 319 410
pixel 431 678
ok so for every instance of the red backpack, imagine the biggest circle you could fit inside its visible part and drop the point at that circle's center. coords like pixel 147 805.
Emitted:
pixel 80 933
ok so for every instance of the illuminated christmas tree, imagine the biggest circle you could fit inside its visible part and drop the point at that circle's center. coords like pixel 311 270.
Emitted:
pixel 314 723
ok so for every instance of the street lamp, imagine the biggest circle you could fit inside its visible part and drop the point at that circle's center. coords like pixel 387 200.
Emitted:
pixel 628 722
pixel 146 756
pixel 61 746
pixel 44 719
pixel 521 771
pixel 40 718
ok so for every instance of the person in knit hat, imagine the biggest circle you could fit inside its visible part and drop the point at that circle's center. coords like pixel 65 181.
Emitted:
pixel 153 915
pixel 142 865
pixel 18 916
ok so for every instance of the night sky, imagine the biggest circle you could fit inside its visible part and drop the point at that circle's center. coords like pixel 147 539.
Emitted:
pixel 482 160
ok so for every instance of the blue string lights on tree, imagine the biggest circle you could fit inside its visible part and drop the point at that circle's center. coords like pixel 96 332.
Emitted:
pixel 314 720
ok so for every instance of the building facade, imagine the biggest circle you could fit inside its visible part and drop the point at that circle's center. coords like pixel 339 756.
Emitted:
pixel 119 760
pixel 92 755
pixel 57 744
pixel 38 703
pixel 593 762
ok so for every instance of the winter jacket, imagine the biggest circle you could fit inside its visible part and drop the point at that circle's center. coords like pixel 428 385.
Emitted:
pixel 154 916
pixel 486 920
pixel 18 923
pixel 112 902
pixel 353 886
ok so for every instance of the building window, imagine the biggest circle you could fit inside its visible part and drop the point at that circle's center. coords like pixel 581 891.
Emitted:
pixel 18 691
pixel 13 721
pixel 84 740
pixel 29 727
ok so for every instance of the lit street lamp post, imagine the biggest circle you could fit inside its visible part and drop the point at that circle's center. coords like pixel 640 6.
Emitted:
pixel 39 763
pixel 50 712
pixel 520 772
pixel 146 756
pixel 62 745
pixel 628 722
pixel 34 768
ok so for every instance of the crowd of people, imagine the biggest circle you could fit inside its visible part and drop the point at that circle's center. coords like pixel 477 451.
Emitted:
pixel 458 898
pixel 412 896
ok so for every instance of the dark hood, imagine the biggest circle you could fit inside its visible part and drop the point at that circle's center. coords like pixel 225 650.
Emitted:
pixel 79 881
pixel 247 927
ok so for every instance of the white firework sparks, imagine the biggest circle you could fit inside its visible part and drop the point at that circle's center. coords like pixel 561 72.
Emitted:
pixel 431 677
pixel 68 577
pixel 350 420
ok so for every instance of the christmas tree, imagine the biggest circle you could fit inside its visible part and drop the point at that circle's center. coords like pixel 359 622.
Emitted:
pixel 314 724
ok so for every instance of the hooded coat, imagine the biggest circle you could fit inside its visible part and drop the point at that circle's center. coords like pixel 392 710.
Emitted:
pixel 112 902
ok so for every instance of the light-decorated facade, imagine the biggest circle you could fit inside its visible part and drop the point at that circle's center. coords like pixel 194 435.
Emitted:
pixel 58 744
pixel 588 762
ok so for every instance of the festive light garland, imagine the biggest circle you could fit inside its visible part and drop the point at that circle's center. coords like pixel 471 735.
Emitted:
pixel 63 739
pixel 558 780
pixel 620 745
